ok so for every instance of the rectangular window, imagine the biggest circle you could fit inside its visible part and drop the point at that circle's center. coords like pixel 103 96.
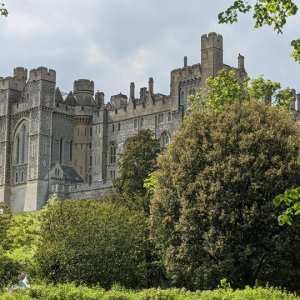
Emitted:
pixel 91 131
pixel 135 123
pixel 113 128
pixel 91 161
pixel 160 118
pixel 169 117
pixel 119 126
pixel 90 145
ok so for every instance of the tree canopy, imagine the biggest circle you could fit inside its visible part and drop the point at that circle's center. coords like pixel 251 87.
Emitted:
pixel 136 163
pixel 92 242
pixel 212 214
pixel 272 13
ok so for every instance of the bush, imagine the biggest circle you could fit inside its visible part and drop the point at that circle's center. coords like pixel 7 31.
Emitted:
pixel 93 243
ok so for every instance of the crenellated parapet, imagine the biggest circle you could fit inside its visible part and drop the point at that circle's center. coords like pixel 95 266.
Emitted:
pixel 15 82
pixel 42 73
pixel 83 86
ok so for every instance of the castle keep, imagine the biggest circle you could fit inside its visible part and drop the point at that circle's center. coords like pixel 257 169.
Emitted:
pixel 68 144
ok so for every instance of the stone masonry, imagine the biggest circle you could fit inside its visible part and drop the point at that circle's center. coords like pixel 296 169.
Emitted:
pixel 68 144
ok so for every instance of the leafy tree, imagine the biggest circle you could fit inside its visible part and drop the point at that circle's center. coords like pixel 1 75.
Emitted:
pixel 225 89
pixel 272 13
pixel 92 242
pixel 8 268
pixel 212 214
pixel 291 199
pixel 136 163
pixel 3 10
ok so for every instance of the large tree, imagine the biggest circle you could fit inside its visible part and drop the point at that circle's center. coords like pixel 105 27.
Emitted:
pixel 92 242
pixel 136 163
pixel 272 13
pixel 212 214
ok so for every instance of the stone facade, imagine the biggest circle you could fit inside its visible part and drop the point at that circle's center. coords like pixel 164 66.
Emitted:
pixel 68 144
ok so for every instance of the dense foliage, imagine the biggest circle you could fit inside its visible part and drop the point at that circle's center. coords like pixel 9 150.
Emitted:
pixel 8 268
pixel 71 292
pixel 136 163
pixel 93 243
pixel 272 13
pixel 212 214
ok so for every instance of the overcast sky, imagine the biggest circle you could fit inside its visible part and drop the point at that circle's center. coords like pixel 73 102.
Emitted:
pixel 114 42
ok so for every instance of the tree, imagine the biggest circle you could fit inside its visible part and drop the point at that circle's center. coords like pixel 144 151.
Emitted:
pixel 8 268
pixel 212 214
pixel 265 12
pixel 3 10
pixel 136 163
pixel 225 89
pixel 92 242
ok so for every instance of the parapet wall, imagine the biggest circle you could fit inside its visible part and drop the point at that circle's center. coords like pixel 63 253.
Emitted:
pixel 42 73
pixel 211 40
pixel 84 85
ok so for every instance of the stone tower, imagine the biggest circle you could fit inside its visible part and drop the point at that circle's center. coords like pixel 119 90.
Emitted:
pixel 211 55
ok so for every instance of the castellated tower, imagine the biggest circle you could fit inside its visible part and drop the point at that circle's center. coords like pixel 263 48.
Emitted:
pixel 211 55
pixel 83 130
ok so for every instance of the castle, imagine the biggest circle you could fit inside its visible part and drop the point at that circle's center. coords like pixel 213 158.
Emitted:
pixel 68 144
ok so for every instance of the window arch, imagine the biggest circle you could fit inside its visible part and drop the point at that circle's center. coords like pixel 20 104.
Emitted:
pixel 165 139
pixel 20 143
pixel 112 153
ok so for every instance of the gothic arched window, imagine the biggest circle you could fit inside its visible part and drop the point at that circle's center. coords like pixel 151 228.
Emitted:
pixel 164 139
pixel 112 153
pixel 20 146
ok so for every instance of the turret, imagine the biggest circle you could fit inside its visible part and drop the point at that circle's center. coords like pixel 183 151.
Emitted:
pixel 132 90
pixel 42 73
pixel 99 99
pixel 83 92
pixel 185 61
pixel 151 85
pixel 211 55
pixel 241 62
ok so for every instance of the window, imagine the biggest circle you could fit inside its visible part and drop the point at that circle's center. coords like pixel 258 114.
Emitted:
pixel 91 131
pixel 17 177
pixel 71 149
pixel 135 124
pixel 119 125
pixel 160 118
pixel 113 128
pixel 91 161
pixel 141 122
pixel 18 149
pixel 22 176
pixel 169 117
pixel 112 153
pixel 164 139
pixel 61 150
pixel 112 174
pixel 90 145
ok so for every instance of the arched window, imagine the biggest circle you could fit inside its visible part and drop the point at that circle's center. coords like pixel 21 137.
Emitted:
pixel 18 149
pixel 164 139
pixel 61 150
pixel 20 146
pixel 71 149
pixel 112 153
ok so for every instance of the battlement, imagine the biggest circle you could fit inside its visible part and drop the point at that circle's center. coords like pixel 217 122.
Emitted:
pixel 211 40
pixel 16 82
pixel 42 73
pixel 84 86
pixel 20 73
pixel 11 83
